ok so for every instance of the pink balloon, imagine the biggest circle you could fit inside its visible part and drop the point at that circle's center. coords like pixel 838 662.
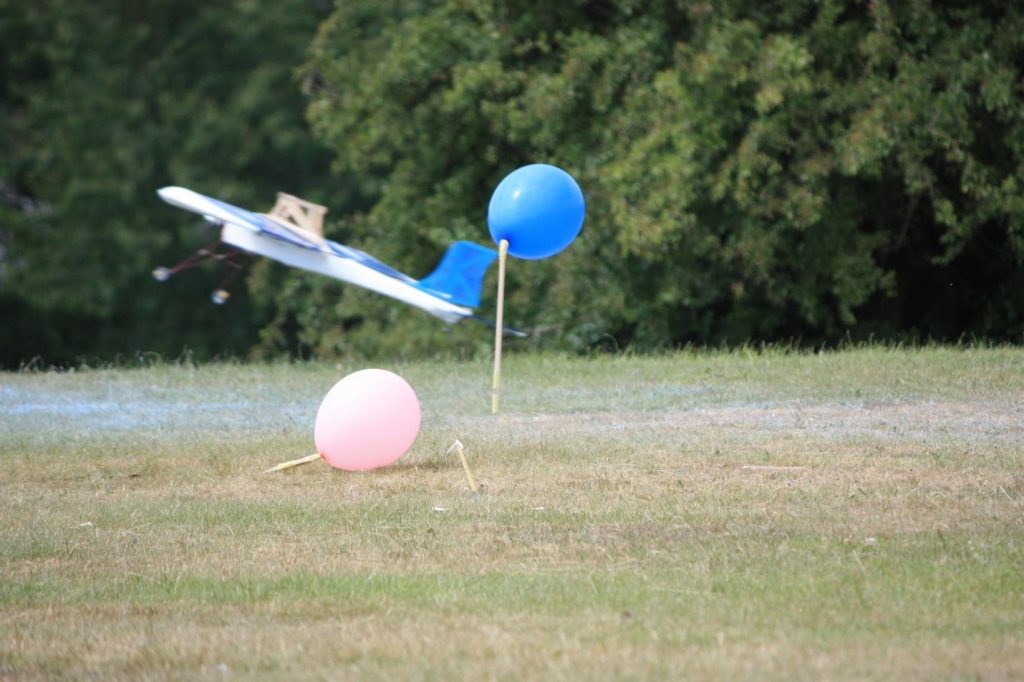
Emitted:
pixel 367 420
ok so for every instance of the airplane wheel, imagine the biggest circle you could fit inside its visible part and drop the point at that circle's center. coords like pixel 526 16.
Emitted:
pixel 220 297
pixel 161 274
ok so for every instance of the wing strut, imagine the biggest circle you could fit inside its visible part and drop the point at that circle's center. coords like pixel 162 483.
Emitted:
pixel 232 260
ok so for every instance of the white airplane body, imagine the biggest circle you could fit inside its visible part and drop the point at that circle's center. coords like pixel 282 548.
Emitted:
pixel 450 292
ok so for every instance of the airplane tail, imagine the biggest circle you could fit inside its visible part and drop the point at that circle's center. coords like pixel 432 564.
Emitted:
pixel 459 276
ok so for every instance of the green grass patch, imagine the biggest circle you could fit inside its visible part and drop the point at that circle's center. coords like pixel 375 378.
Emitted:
pixel 621 532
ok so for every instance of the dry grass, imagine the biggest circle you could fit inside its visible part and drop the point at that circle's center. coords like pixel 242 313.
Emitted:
pixel 618 535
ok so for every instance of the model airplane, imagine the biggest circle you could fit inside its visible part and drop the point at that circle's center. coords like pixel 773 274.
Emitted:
pixel 292 233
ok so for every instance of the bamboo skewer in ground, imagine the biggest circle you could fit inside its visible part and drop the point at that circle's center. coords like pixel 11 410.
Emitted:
pixel 499 324
pixel 535 212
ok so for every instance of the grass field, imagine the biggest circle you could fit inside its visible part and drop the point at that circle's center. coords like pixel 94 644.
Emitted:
pixel 618 535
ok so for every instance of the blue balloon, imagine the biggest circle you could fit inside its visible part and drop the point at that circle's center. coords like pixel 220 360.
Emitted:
pixel 538 208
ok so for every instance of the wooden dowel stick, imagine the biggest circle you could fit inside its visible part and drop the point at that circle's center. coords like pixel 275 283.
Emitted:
pixel 499 325
pixel 459 447
pixel 293 463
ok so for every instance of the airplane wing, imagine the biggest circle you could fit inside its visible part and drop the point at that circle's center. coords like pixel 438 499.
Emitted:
pixel 450 292
pixel 222 212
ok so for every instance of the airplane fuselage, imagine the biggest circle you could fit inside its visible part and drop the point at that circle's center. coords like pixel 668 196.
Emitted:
pixel 326 262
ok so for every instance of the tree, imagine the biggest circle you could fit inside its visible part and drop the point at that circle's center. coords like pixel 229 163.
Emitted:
pixel 753 171
pixel 103 103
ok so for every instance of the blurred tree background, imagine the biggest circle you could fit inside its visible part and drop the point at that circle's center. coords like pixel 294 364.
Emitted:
pixel 805 171
pixel 101 104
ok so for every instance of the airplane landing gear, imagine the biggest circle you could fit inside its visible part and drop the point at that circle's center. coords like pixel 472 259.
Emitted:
pixel 232 260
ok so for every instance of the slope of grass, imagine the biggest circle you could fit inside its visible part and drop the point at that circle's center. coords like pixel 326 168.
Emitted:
pixel 618 536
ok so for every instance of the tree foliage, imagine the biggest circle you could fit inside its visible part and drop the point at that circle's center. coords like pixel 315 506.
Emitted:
pixel 791 169
pixel 103 103
pixel 753 170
